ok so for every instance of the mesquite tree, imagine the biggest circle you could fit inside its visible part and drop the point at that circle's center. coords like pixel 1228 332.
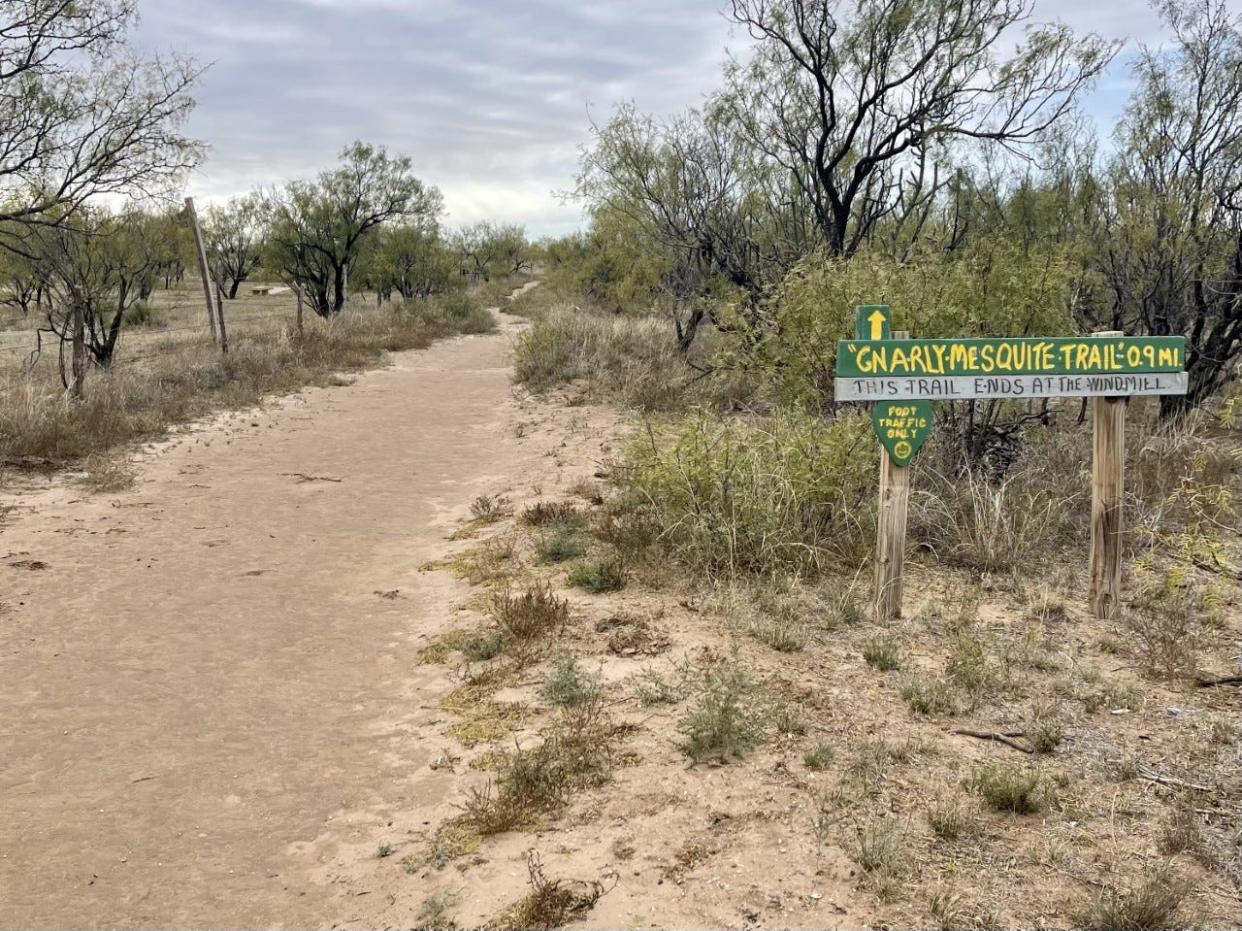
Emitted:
pixel 1172 253
pixel 233 235
pixel 316 229
pixel 856 102
pixel 82 114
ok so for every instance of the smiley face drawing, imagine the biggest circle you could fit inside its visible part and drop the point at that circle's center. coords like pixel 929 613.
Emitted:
pixel 902 451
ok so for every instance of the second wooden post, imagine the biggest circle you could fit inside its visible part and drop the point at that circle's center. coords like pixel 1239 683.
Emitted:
pixel 890 548
pixel 1108 469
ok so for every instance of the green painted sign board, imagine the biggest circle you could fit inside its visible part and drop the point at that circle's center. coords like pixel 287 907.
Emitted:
pixel 1018 368
pixel 1086 355
pixel 903 427
pixel 874 322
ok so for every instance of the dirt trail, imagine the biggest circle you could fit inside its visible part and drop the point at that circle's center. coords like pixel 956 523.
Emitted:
pixel 201 679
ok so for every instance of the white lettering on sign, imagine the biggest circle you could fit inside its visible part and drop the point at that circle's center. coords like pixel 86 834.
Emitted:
pixel 968 387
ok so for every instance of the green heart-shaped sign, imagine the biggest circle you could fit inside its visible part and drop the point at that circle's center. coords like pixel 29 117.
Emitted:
pixel 902 427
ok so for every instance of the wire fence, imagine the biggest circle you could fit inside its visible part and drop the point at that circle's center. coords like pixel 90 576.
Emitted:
pixel 38 354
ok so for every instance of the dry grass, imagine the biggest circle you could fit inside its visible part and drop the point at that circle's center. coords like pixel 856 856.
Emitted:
pixel 532 615
pixel 576 752
pixel 179 380
pixel 1151 902
pixel 551 903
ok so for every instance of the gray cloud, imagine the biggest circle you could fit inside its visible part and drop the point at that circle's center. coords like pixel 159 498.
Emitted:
pixel 490 98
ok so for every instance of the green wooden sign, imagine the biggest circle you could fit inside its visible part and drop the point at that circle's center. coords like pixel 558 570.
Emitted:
pixel 1086 355
pixel 903 427
pixel 1020 367
pixel 874 322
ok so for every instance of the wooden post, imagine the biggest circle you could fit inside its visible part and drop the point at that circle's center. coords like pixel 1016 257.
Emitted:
pixel 224 333
pixel 1107 493
pixel 78 385
pixel 202 267
pixel 890 544
pixel 297 289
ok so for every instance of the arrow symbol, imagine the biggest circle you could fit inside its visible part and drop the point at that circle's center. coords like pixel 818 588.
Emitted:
pixel 877 324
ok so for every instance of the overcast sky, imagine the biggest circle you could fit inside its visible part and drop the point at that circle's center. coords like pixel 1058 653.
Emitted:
pixel 491 98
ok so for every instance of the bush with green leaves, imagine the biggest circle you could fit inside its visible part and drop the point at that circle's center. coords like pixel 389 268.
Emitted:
pixel 991 288
pixel 727 719
pixel 568 685
pixel 598 576
pixel 788 493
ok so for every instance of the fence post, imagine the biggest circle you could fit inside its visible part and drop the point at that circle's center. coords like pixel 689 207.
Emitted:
pixel 297 289
pixel 202 267
pixel 78 385
pixel 1107 496
pixel 224 333
pixel 890 544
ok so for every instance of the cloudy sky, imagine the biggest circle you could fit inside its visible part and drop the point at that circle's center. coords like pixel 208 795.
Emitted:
pixel 491 98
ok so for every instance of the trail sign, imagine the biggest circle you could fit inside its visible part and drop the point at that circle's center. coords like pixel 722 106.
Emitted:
pixel 902 427
pixel 874 322
pixel 1016 368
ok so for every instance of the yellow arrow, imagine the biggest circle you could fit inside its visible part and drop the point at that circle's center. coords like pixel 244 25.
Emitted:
pixel 877 324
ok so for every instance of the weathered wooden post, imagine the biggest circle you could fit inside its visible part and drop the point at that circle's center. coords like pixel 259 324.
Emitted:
pixel 890 542
pixel 203 271
pixel 1107 495
pixel 224 333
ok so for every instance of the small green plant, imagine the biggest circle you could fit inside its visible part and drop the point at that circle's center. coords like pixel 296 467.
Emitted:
pixel 482 646
pixel 882 857
pixel 535 613
pixel 1149 903
pixel 384 851
pixel 1045 731
pixel 781 636
pixel 653 689
pixel 1007 788
pixel 930 697
pixel 883 653
pixel 819 757
pixel 560 546
pixel 568 685
pixel 951 818
pixel 788 720
pixel 433 915
pixel 553 513
pixel 725 723
pixel 488 509
pixel 968 665
pixel 598 577
pixel 142 314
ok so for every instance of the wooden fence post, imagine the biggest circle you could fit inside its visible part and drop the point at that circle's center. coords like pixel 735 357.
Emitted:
pixel 202 267
pixel 890 545
pixel 224 333
pixel 1107 495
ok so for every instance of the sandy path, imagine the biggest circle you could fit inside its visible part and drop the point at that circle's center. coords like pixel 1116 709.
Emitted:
pixel 204 682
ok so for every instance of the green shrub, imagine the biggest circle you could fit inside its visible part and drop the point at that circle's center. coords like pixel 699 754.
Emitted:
pixel 819 757
pixel 930 696
pixel 1008 788
pixel 560 546
pixel 534 613
pixel 1150 903
pixel 883 653
pixel 142 314
pixel 568 685
pixel 787 494
pixel 598 576
pixel 725 722
pixel 951 818
pixel 992 287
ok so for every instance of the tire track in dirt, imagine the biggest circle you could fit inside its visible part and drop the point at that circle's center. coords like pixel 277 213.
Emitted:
pixel 214 667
